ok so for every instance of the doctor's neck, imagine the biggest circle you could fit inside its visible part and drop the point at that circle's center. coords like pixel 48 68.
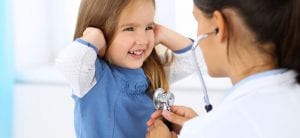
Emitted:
pixel 250 63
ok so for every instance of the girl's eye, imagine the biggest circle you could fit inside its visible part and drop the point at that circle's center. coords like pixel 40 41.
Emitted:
pixel 149 28
pixel 128 29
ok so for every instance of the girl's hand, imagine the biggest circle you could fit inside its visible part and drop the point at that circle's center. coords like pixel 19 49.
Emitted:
pixel 158 31
pixel 170 38
pixel 177 117
pixel 96 37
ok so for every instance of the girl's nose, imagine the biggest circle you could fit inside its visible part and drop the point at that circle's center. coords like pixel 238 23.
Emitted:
pixel 141 39
pixel 141 42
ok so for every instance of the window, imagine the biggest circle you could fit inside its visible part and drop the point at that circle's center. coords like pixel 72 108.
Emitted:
pixel 41 29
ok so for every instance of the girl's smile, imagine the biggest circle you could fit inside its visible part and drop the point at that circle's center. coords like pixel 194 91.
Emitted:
pixel 137 53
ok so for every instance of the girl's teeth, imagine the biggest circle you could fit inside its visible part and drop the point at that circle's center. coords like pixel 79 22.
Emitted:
pixel 136 52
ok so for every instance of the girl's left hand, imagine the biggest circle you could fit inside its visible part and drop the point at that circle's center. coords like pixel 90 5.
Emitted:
pixel 170 38
pixel 158 31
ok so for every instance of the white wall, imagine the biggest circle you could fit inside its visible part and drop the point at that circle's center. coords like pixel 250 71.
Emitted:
pixel 43 107
pixel 43 111
pixel 41 29
pixel 184 20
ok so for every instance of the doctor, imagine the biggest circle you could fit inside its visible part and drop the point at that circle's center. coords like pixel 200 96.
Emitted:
pixel 257 44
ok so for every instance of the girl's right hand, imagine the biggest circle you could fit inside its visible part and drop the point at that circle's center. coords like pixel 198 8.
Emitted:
pixel 96 37
pixel 177 117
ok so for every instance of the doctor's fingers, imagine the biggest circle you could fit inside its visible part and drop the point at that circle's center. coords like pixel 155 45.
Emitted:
pixel 184 111
pixel 155 115
pixel 174 118
pixel 158 130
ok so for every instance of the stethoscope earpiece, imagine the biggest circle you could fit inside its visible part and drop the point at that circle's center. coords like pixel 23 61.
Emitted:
pixel 217 30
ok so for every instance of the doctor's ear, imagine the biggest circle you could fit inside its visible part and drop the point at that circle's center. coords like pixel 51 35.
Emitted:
pixel 221 25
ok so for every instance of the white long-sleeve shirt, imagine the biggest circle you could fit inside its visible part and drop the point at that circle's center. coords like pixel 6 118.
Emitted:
pixel 77 63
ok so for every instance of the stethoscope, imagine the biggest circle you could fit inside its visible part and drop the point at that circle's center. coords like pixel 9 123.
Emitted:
pixel 208 106
pixel 164 100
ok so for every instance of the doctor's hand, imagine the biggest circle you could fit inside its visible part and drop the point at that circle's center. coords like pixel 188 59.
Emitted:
pixel 96 37
pixel 159 130
pixel 177 117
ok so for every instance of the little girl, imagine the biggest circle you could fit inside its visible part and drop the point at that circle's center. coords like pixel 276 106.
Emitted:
pixel 113 70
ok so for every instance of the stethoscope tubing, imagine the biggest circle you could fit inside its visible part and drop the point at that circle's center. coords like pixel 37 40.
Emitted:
pixel 208 106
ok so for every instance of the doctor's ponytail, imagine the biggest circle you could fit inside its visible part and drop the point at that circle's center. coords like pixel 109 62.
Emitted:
pixel 289 54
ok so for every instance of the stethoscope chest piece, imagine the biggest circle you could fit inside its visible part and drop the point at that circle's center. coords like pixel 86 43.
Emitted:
pixel 163 100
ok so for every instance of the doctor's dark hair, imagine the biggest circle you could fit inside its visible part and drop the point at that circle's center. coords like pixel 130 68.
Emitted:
pixel 105 14
pixel 275 21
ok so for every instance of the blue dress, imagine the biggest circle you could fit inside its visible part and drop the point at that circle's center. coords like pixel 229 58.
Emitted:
pixel 118 106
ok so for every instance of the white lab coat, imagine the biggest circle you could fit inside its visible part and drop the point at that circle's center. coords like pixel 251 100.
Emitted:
pixel 266 105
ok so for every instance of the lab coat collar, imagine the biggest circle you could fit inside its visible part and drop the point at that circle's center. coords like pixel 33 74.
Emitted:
pixel 257 81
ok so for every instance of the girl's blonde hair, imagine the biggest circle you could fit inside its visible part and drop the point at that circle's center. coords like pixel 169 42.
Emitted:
pixel 104 14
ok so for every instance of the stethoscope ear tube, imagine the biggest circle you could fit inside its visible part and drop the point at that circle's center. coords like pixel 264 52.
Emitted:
pixel 208 107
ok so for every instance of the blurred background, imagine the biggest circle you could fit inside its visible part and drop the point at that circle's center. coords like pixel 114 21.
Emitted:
pixel 35 101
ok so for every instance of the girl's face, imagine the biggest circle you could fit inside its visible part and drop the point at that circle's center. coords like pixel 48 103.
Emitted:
pixel 133 41
pixel 214 54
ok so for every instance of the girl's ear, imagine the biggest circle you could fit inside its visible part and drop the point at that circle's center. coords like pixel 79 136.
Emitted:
pixel 221 26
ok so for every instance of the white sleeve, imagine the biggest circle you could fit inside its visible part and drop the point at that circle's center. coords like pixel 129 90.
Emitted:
pixel 226 121
pixel 77 63
pixel 183 65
